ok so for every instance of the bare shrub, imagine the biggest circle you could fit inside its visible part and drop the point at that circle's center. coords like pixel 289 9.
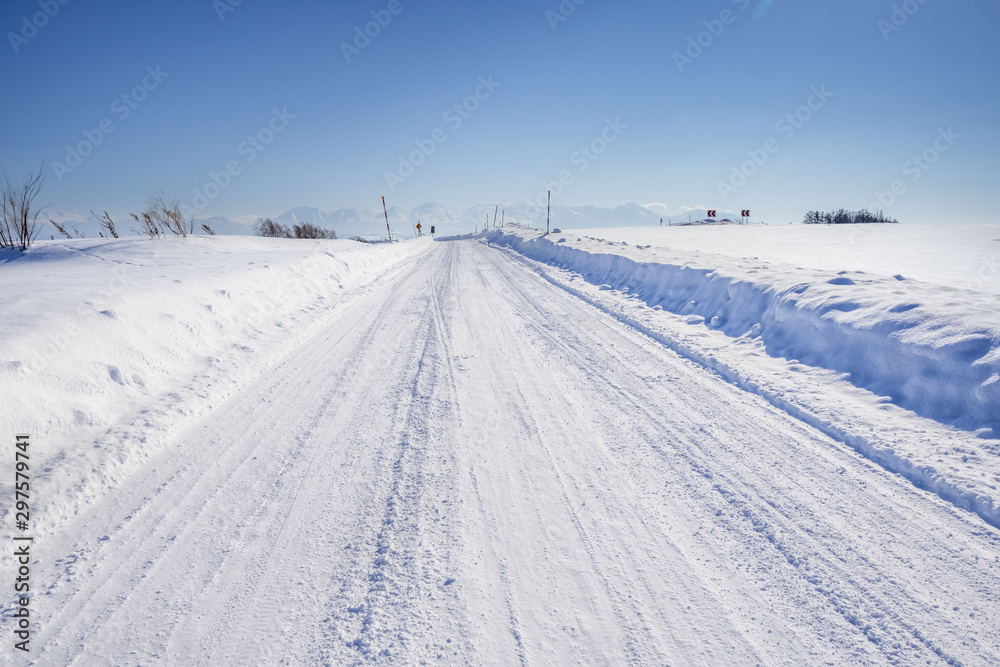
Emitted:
pixel 270 228
pixel 306 230
pixel 162 216
pixel 18 213
pixel 310 231
pixel 208 230
pixel 107 224
pixel 62 230
pixel 146 225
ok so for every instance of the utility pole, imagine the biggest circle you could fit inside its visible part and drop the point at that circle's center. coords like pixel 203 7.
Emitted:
pixel 495 211
pixel 386 211
pixel 503 215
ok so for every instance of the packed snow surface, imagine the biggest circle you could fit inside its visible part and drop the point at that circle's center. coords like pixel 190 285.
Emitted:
pixel 492 450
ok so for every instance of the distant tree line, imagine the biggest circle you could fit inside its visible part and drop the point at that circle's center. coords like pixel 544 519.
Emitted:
pixel 306 230
pixel 843 217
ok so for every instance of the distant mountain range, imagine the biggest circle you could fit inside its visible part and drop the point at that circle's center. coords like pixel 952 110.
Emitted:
pixel 349 223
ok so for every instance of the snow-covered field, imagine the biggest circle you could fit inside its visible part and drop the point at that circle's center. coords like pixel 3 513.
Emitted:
pixel 511 449
pixel 960 256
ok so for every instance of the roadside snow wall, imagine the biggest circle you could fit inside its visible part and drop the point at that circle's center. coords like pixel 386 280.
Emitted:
pixel 933 350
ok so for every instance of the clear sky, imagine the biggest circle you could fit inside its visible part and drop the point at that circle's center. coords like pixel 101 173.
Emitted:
pixel 201 77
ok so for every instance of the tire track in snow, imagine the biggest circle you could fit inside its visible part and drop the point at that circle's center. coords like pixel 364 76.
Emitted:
pixel 972 501
pixel 390 623
pixel 638 649
pixel 178 508
pixel 502 559
pixel 498 548
pixel 261 624
pixel 851 606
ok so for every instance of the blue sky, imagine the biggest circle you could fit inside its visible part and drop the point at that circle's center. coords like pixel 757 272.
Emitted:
pixel 227 72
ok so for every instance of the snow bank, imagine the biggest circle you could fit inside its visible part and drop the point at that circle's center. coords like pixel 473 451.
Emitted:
pixel 932 349
pixel 101 340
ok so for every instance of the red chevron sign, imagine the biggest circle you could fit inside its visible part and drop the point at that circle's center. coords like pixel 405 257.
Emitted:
pixel 746 213
pixel 711 214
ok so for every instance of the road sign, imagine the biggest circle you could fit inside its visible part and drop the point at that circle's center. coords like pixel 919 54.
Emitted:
pixel 746 213
pixel 419 227
pixel 432 229
pixel 711 214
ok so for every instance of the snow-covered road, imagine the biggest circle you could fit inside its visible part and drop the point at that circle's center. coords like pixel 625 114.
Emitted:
pixel 471 465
